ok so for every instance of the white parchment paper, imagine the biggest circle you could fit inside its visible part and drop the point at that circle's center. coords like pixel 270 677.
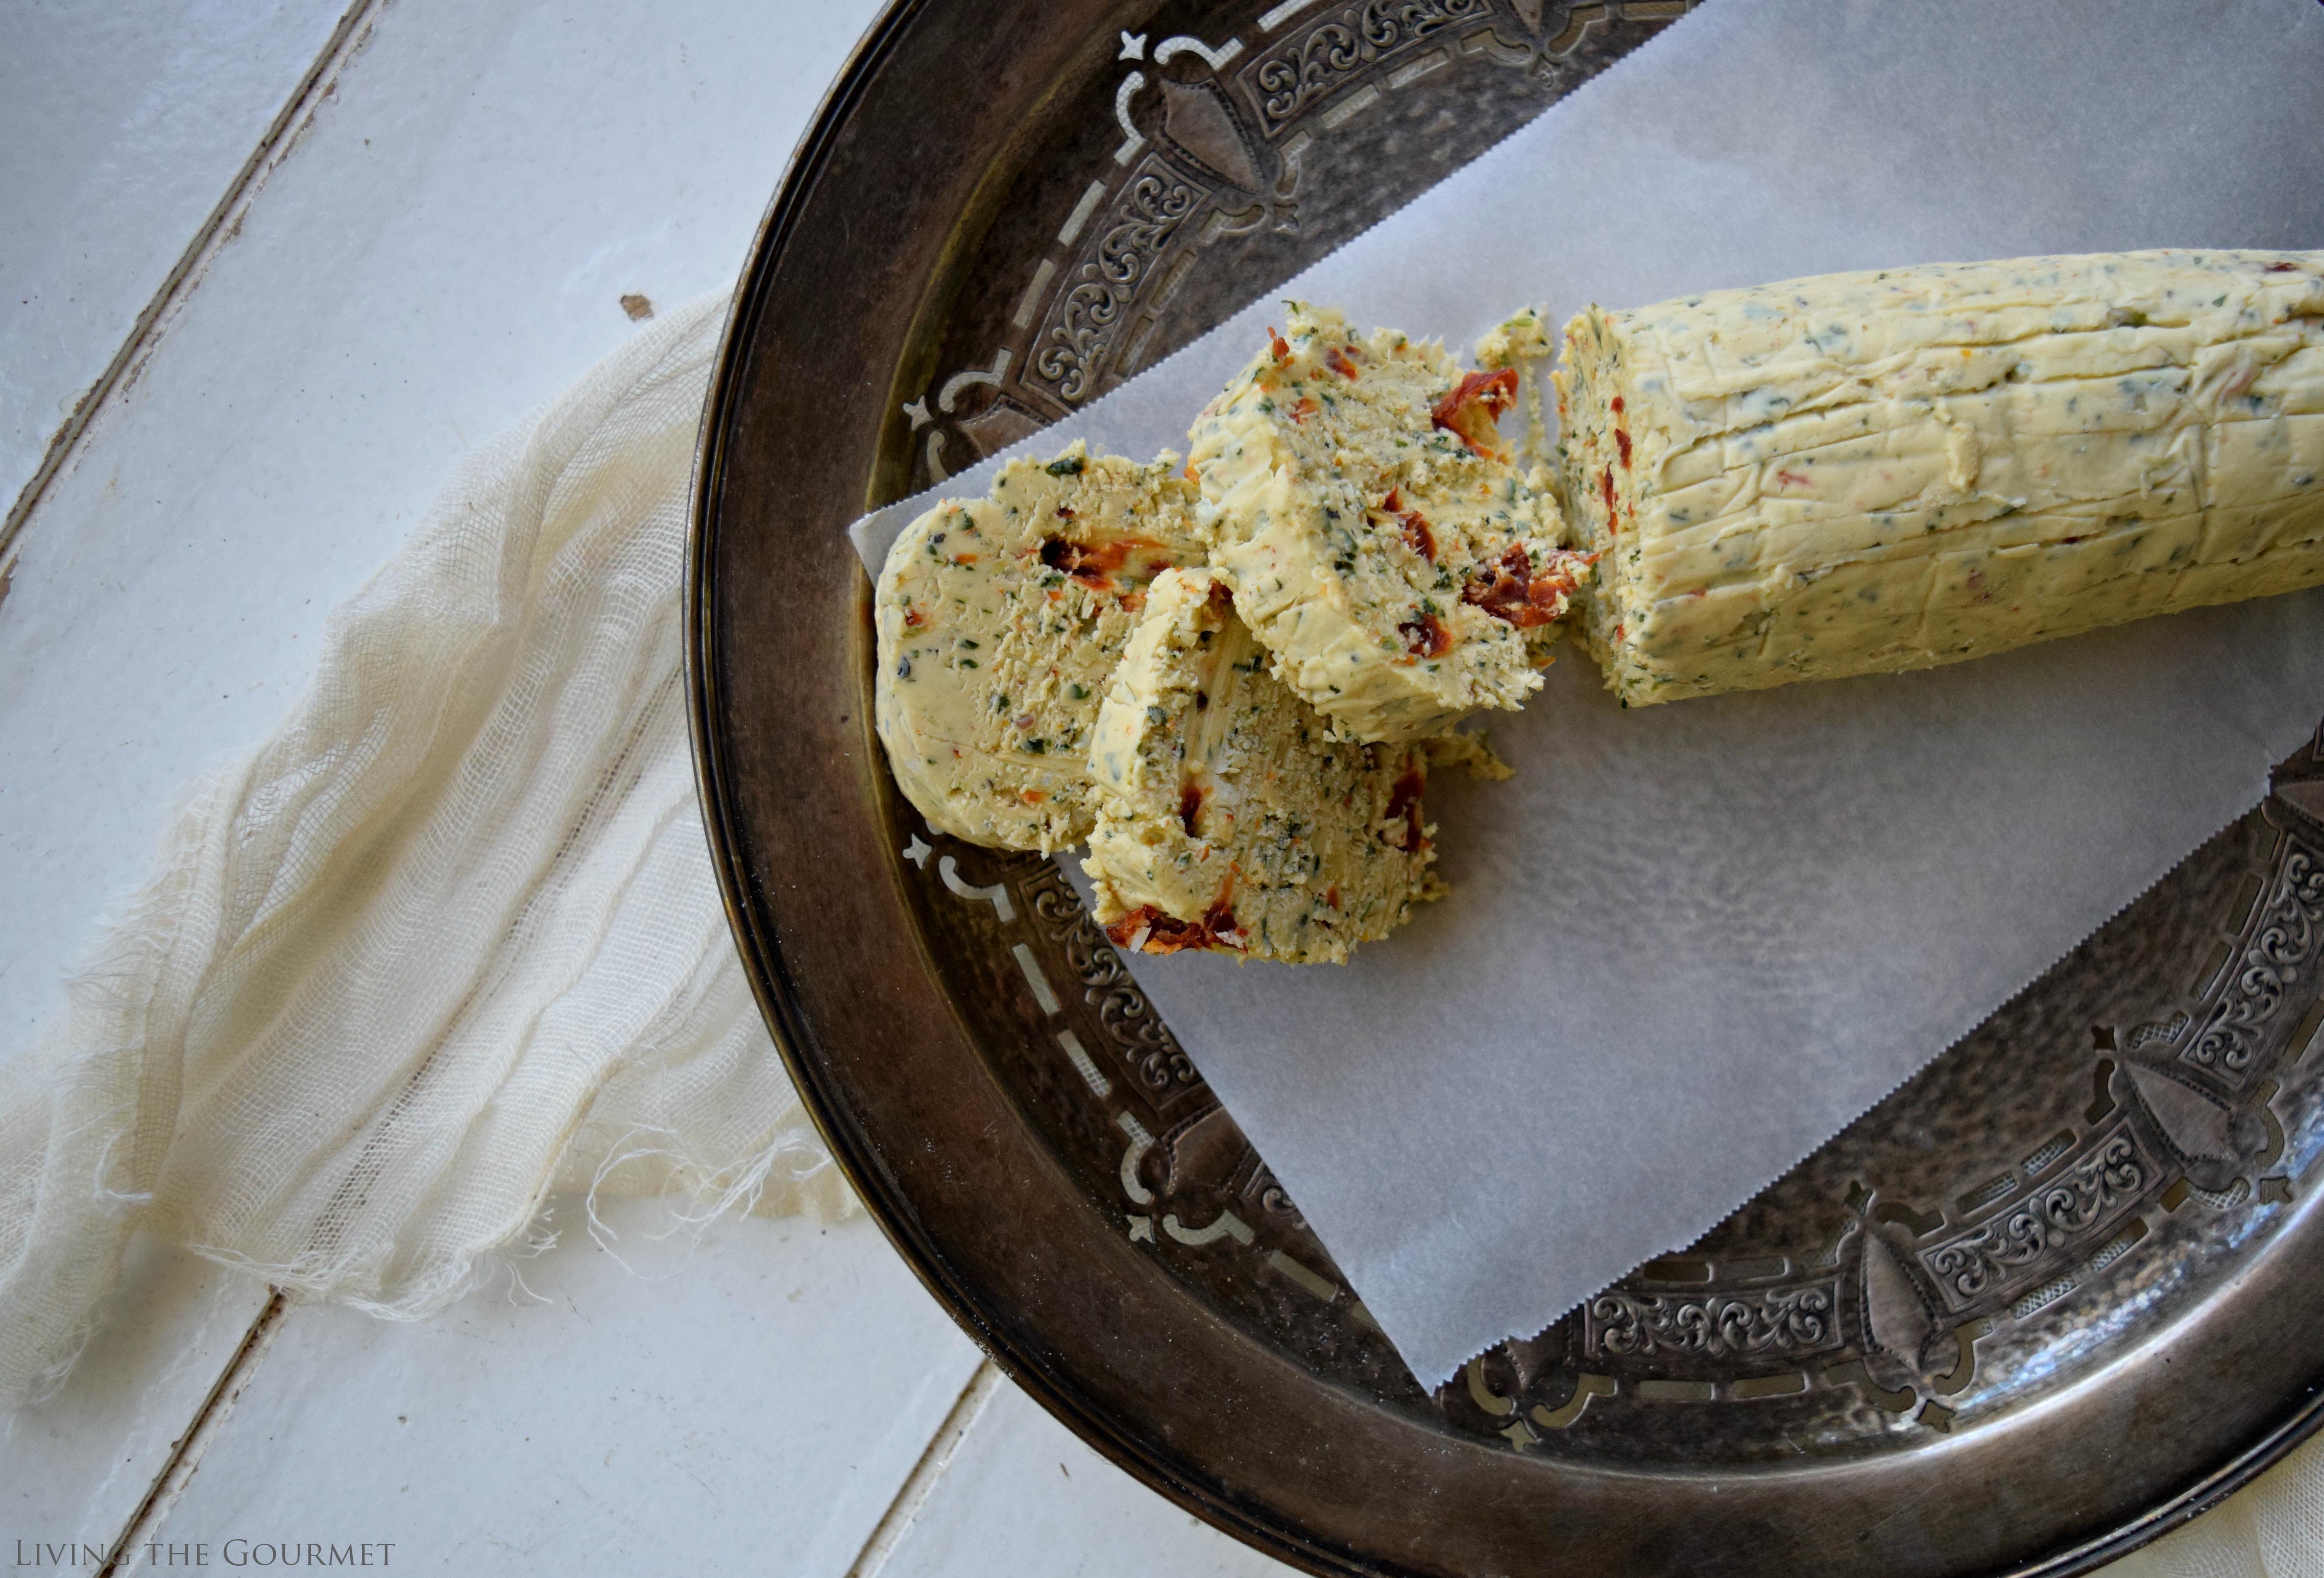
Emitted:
pixel 1690 943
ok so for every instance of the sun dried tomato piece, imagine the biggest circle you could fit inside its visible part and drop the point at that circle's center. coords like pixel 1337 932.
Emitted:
pixel 1092 566
pixel 1523 596
pixel 1149 930
pixel 1425 637
pixel 1561 573
pixel 1302 408
pixel 1275 342
pixel 1414 524
pixel 1471 407
pixel 1342 359
pixel 1404 829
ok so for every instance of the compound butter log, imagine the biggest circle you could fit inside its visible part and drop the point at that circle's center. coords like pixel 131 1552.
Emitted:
pixel 1869 472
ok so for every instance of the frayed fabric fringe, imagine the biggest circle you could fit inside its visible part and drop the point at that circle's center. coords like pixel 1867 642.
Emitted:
pixel 446 945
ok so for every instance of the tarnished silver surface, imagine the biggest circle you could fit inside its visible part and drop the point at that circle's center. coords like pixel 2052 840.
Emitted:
pixel 2052 1295
pixel 2095 1159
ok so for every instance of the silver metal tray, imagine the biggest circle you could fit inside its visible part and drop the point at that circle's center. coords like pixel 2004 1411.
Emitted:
pixel 2052 1297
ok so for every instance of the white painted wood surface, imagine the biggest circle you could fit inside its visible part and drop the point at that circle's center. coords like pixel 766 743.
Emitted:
pixel 1022 1498
pixel 438 243
pixel 444 247
pixel 78 1467
pixel 749 1404
pixel 125 123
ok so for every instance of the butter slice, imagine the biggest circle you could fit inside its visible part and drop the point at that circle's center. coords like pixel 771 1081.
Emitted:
pixel 999 621
pixel 1227 817
pixel 1367 545
pixel 1890 470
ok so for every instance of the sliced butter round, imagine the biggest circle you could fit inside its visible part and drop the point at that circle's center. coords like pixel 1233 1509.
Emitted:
pixel 1227 817
pixel 999 621
pixel 1379 539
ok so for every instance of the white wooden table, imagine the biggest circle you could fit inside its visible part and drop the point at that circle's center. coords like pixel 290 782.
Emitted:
pixel 267 269
pixel 304 258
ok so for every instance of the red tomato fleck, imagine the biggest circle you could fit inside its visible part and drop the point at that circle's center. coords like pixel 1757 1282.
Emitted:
pixel 1275 342
pixel 1147 930
pixel 1794 478
pixel 1404 829
pixel 1332 895
pixel 1471 408
pixel 1414 524
pixel 914 618
pixel 1091 566
pixel 1618 405
pixel 1302 408
pixel 1517 594
pixel 1190 806
pixel 1425 637
pixel 1622 442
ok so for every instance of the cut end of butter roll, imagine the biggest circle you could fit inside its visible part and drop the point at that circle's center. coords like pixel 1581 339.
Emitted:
pixel 1873 472
pixel 999 622
pixel 1228 820
pixel 1400 569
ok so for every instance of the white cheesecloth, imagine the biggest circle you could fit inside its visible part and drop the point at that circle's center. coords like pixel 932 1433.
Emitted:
pixel 449 944
pixel 445 944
